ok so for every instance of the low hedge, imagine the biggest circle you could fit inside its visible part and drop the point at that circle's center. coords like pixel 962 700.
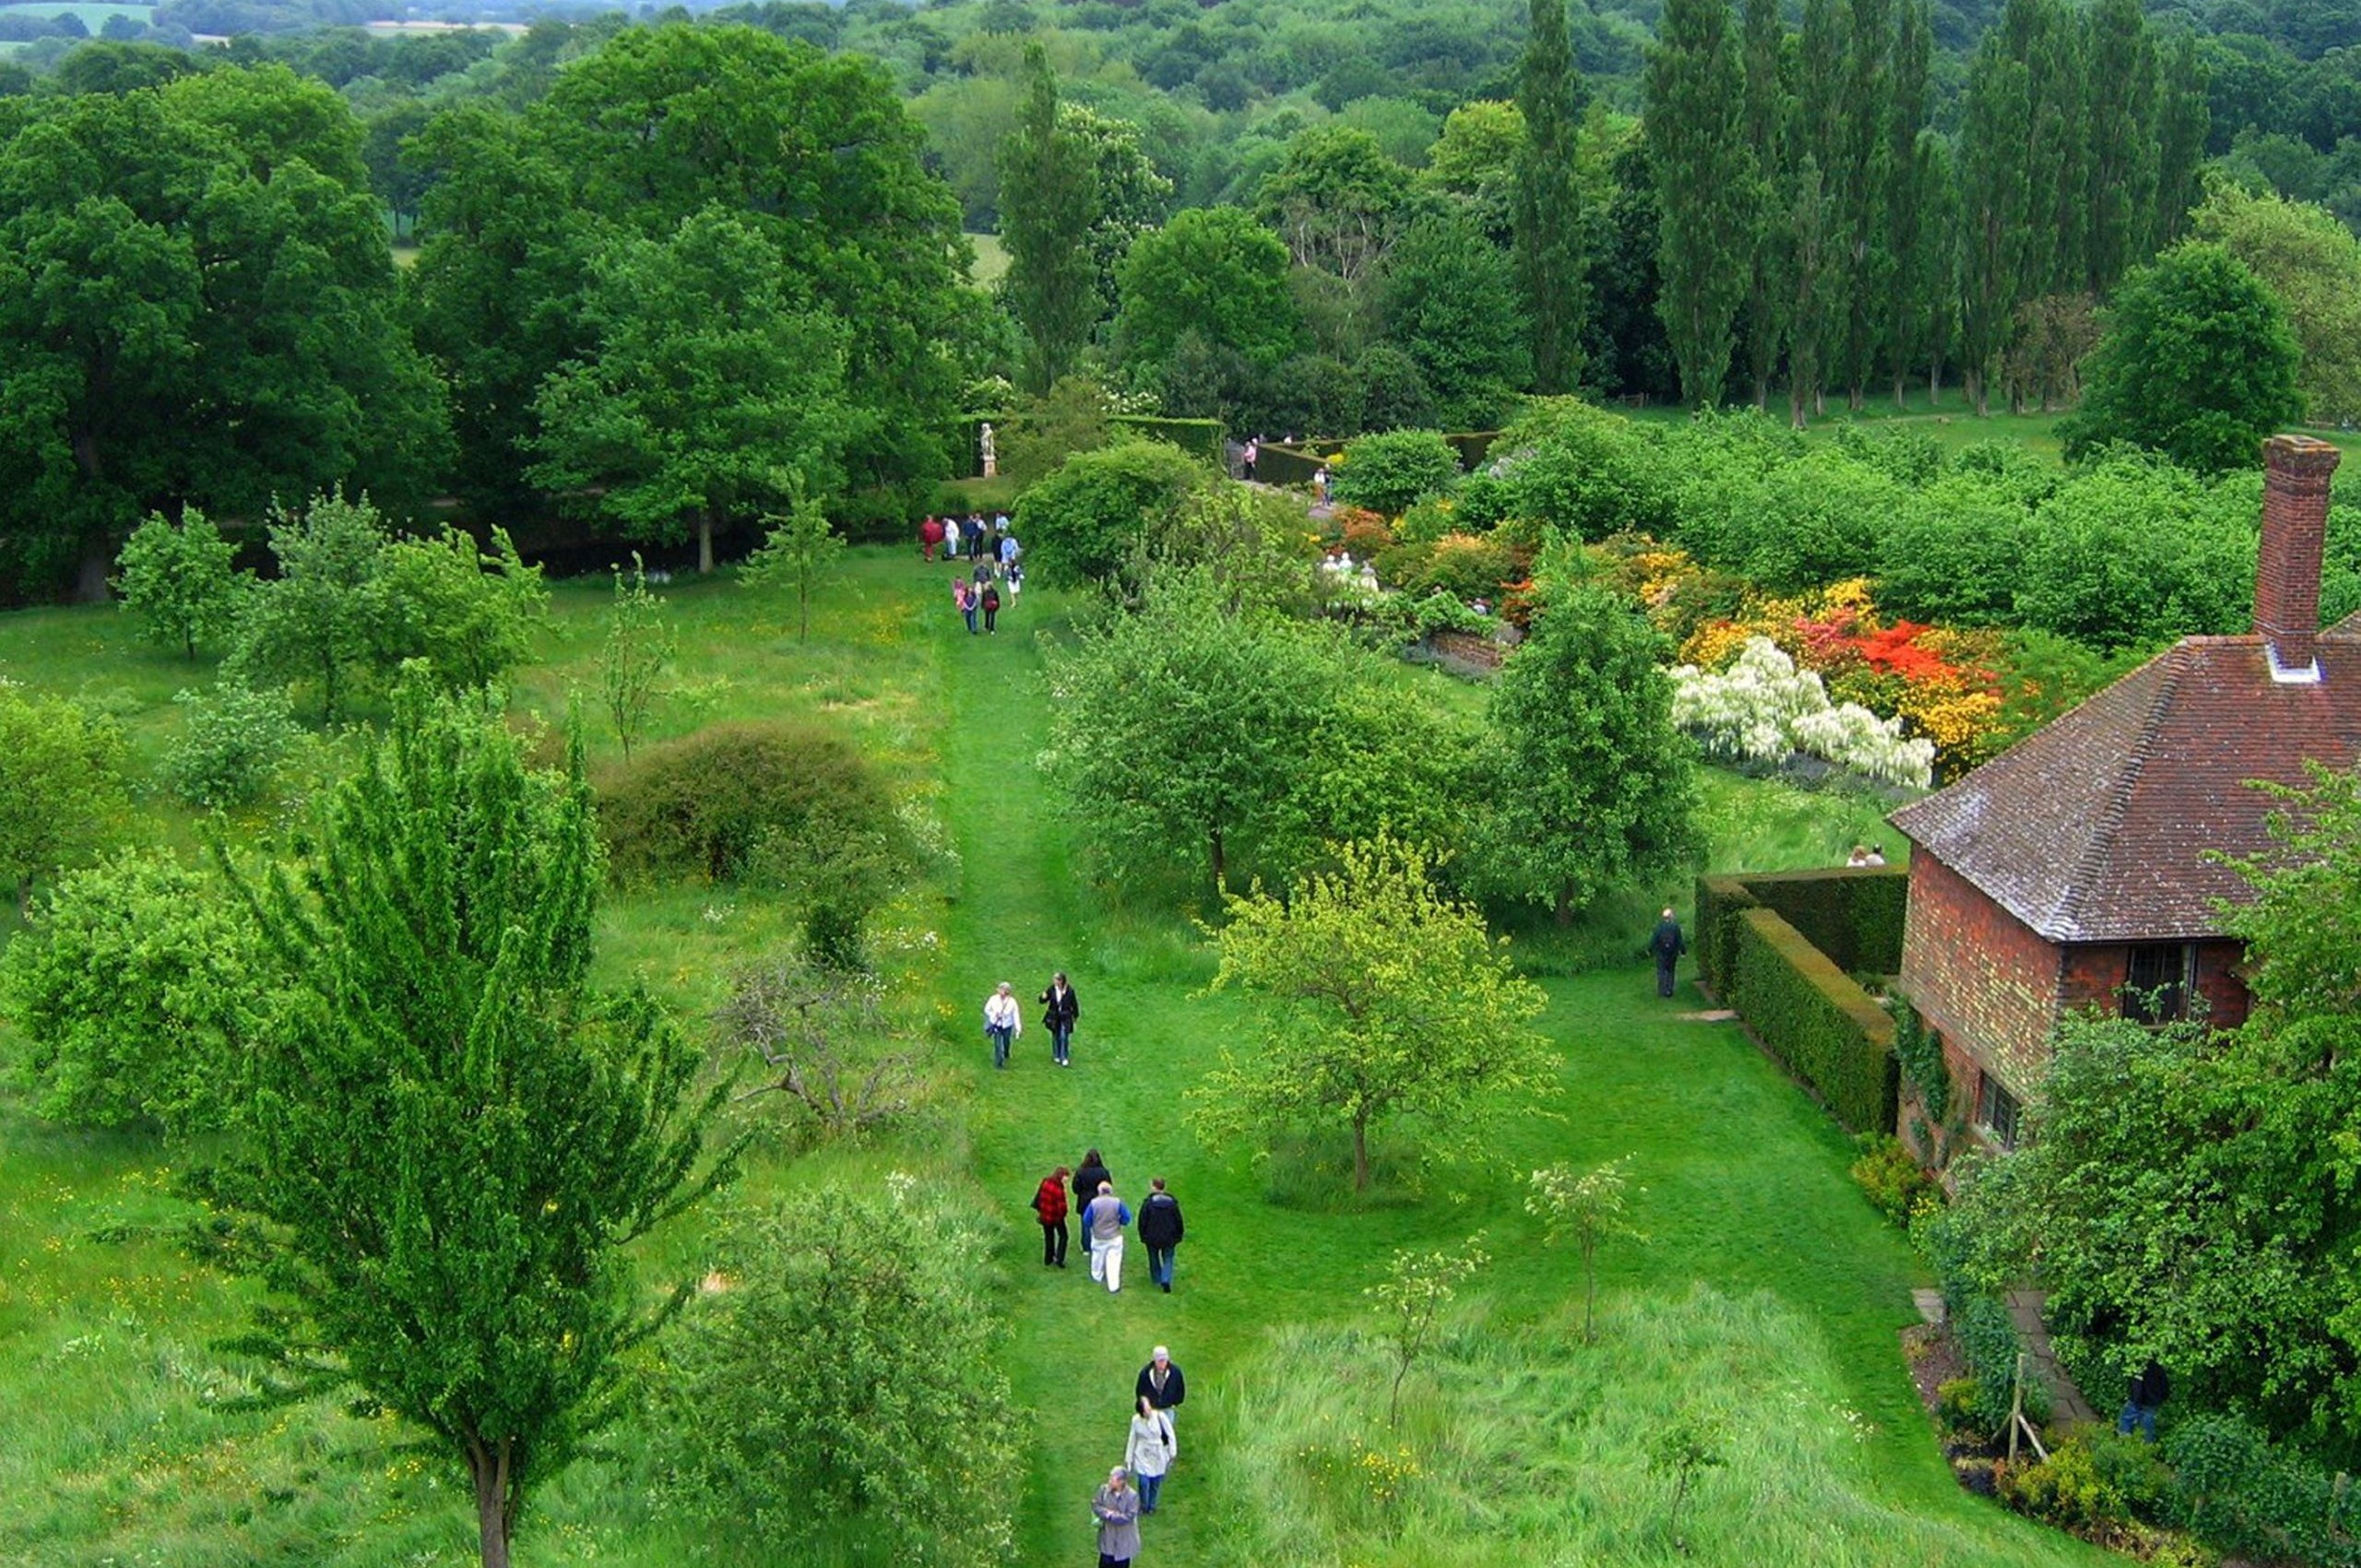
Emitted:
pixel 1812 1016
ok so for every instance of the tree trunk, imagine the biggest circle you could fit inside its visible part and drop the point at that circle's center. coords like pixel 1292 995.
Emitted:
pixel 1221 862
pixel 1934 384
pixel 1761 395
pixel 1900 400
pixel 90 586
pixel 490 1470
pixel 1796 417
pixel 1360 1151
pixel 704 539
pixel 1564 913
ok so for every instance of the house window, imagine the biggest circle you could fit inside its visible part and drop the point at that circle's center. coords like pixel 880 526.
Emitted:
pixel 2156 981
pixel 1996 1110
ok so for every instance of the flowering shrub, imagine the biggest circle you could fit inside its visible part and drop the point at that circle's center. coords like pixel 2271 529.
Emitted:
pixel 1762 707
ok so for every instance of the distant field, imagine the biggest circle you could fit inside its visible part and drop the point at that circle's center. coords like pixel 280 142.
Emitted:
pixel 94 15
pixel 991 260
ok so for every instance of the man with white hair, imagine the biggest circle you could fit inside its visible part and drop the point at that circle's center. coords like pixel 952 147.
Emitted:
pixel 1103 1222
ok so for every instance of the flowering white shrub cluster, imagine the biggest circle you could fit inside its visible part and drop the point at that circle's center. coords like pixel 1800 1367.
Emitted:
pixel 1762 707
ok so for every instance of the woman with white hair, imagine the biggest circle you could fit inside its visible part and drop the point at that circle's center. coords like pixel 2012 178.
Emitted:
pixel 1117 1509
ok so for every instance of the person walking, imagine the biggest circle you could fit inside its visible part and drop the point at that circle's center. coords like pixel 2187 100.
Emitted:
pixel 992 607
pixel 1059 1012
pixel 2148 1391
pixel 966 601
pixel 1049 1204
pixel 1004 1021
pixel 1103 1224
pixel 929 536
pixel 1150 1450
pixel 1160 1382
pixel 1665 945
pixel 1117 1509
pixel 1087 1176
pixel 1248 459
pixel 950 537
pixel 1160 1232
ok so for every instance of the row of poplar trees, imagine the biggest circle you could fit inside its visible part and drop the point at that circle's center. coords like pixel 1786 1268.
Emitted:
pixel 1811 217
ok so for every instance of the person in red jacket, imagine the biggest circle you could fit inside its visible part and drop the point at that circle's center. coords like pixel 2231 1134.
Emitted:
pixel 1049 1203
pixel 930 535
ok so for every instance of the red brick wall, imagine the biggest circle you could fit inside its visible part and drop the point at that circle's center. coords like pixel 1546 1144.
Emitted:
pixel 2095 974
pixel 1979 975
pixel 2220 982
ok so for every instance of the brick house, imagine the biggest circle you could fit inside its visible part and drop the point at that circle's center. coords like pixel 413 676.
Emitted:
pixel 2075 869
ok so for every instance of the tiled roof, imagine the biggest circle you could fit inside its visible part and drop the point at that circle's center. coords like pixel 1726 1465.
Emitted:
pixel 2100 826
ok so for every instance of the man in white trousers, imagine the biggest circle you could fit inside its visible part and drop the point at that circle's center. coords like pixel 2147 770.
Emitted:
pixel 1104 1223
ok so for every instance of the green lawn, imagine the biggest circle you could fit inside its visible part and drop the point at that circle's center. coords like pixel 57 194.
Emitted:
pixel 94 15
pixel 991 260
pixel 1767 1289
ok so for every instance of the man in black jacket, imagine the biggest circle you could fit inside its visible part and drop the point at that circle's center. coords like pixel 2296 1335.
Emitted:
pixel 2148 1391
pixel 1160 1382
pixel 1059 1012
pixel 1159 1233
pixel 1665 945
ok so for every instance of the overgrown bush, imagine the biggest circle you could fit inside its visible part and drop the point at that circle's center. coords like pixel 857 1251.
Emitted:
pixel 1085 521
pixel 2236 1490
pixel 787 803
pixel 1891 1178
pixel 1979 1322
pixel 2071 1491
pixel 837 1383
pixel 1392 470
pixel 235 742
pixel 134 993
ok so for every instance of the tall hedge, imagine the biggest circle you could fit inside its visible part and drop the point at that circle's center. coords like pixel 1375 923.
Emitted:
pixel 1855 916
pixel 1720 901
pixel 1812 1016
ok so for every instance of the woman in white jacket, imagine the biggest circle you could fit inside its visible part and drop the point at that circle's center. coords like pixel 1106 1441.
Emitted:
pixel 1151 1451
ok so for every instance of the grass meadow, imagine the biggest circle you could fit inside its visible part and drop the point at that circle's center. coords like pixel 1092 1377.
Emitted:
pixel 94 15
pixel 1766 1296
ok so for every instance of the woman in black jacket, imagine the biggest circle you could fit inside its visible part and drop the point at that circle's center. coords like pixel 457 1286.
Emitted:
pixel 1086 1177
pixel 1059 1011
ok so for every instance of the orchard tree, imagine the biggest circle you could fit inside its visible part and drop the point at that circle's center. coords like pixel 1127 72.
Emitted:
pixel 468 614
pixel 452 1137
pixel 2198 363
pixel 179 581
pixel 1586 1210
pixel 317 619
pixel 637 651
pixel 1596 788
pixel 1413 1298
pixel 1181 736
pixel 1382 998
pixel 797 554
pixel 713 382
pixel 62 785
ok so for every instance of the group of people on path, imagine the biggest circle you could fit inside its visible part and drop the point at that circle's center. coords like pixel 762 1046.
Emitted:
pixel 1004 1021
pixel 1104 1217
pixel 1149 1452
pixel 999 564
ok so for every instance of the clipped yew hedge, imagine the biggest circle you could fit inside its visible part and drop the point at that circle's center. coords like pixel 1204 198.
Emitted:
pixel 1813 1018
pixel 1720 901
pixel 1853 915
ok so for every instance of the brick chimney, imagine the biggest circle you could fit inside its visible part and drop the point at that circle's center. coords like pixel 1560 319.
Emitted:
pixel 2296 470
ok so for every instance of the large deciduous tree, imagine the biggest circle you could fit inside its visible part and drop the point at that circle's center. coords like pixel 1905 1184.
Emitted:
pixel 1596 786
pixel 2197 362
pixel 1452 304
pixel 1049 202
pixel 716 380
pixel 1214 273
pixel 451 1135
pixel 1552 267
pixel 1704 177
pixel 1385 999
pixel 2311 262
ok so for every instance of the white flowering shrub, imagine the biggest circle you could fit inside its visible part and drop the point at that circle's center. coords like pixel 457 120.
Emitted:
pixel 1762 707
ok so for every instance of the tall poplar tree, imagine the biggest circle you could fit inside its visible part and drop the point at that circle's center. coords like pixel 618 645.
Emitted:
pixel 1551 268
pixel 1767 110
pixel 1906 200
pixel 1695 91
pixel 1865 259
pixel 2052 45
pixel 2120 179
pixel 1815 146
pixel 1995 201
pixel 1810 241
pixel 1938 257
pixel 2184 120
pixel 1049 183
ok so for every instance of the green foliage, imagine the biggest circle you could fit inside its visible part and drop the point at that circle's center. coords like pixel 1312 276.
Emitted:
pixel 317 620
pixel 233 745
pixel 1720 901
pixel 738 800
pixel 1087 522
pixel 2129 553
pixel 1890 1177
pixel 1682 1448
pixel 134 993
pixel 1812 1016
pixel 1566 463
pixel 1384 999
pixel 470 616
pixel 798 554
pixel 841 1384
pixel 637 650
pixel 179 581
pixel 1072 416
pixel 1704 184
pixel 1392 470
pixel 1920 1051
pixel 1852 916
pixel 1048 201
pixel 2237 1490
pixel 1790 525
pixel 1451 303
pixel 2198 363
pixel 1954 553
pixel 1545 198
pixel 2311 264
pixel 61 786
pixel 452 1137
pixel 2082 1487
pixel 1595 787
pixel 820 1035
pixel 1214 273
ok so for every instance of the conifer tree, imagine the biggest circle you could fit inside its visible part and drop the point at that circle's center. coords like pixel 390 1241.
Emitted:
pixel 1695 90
pixel 1864 259
pixel 1905 199
pixel 1049 202
pixel 1547 220
pixel 1767 111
